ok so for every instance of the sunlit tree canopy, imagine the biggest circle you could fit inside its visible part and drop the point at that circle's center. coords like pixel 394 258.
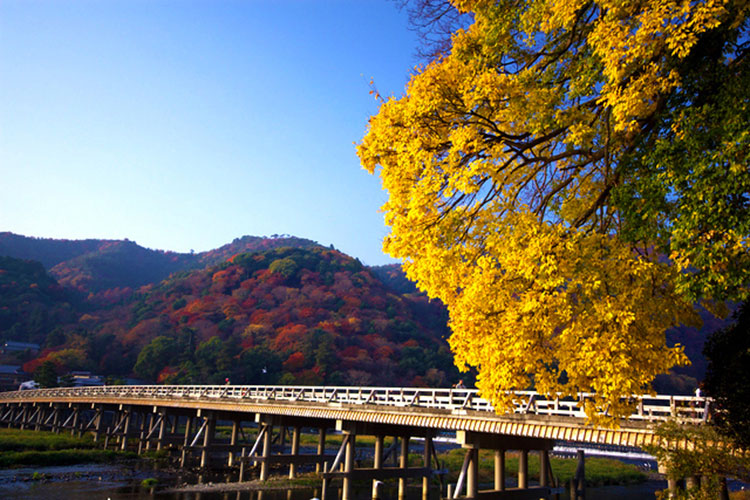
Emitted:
pixel 569 178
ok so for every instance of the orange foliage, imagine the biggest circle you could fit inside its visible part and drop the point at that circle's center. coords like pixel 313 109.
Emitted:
pixel 352 303
pixel 306 312
pixel 223 275
pixel 247 343
pixel 310 377
pixel 351 352
pixel 328 326
pixel 384 352
pixel 144 331
pixel 288 336
pixel 231 308
pixel 295 362
pixel 166 372
pixel 31 366
pixel 201 305
pixel 258 316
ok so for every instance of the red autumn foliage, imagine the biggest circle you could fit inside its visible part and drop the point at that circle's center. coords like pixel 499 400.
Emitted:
pixel 295 362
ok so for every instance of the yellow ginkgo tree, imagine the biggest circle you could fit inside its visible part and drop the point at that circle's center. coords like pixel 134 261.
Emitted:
pixel 569 178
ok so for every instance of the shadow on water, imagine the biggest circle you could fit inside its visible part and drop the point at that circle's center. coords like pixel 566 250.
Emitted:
pixel 642 491
pixel 113 482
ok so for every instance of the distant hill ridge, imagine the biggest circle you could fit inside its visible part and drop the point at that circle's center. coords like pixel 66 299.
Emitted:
pixel 93 265
pixel 287 311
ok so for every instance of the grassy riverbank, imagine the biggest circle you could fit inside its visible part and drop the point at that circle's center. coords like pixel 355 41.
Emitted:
pixel 27 448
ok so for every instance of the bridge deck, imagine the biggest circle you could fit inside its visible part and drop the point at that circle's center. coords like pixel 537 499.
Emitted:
pixel 441 409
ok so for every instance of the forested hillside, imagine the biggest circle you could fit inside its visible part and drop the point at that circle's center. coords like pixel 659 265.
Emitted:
pixel 298 314
pixel 305 315
pixel 108 270
pixel 257 310
pixel 31 303
pixel 48 251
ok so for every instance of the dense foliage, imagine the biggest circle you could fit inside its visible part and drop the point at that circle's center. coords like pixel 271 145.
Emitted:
pixel 302 315
pixel 569 178
pixel 710 457
pixel 31 303
pixel 728 377
pixel 291 315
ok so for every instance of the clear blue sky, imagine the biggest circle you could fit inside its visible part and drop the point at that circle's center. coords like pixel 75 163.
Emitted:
pixel 185 124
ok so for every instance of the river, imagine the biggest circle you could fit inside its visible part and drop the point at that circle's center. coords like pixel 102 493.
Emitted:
pixel 108 482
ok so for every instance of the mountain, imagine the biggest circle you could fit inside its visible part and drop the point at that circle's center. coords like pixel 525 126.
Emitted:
pixel 119 264
pixel 394 278
pixel 308 313
pixel 288 315
pixel 32 304
pixel 97 266
pixel 48 251
pixel 249 244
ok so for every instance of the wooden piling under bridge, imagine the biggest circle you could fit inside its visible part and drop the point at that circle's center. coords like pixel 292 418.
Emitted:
pixel 184 419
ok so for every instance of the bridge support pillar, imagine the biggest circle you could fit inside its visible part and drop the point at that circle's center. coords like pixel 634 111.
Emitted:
pixel 472 473
pixel 162 429
pixel 544 468
pixel 294 451
pixel 126 415
pixel 268 428
pixel 233 441
pixel 377 465
pixel 500 470
pixel 24 412
pixel 74 423
pixel 98 423
pixel 523 469
pixel 321 446
pixel 143 425
pixel 379 472
pixel 186 441
pixel 474 441
pixel 426 464
pixel 578 483
pixel 146 429
pixel 692 482
pixel 349 451
pixel 208 438
pixel 403 464
pixel 39 418
pixel 672 487
pixel 56 419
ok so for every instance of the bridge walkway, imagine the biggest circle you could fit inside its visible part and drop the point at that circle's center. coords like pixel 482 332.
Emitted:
pixel 185 418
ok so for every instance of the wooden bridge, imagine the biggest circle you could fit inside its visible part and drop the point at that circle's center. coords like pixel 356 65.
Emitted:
pixel 185 418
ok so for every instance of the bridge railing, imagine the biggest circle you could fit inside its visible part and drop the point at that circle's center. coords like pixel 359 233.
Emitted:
pixel 648 408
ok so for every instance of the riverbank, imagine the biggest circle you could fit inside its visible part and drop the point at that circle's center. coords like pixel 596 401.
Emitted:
pixel 41 448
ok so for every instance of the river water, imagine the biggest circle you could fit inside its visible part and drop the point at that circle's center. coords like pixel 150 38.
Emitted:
pixel 107 482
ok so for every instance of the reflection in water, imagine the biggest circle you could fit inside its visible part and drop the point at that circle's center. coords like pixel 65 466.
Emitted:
pixel 94 482
pixel 88 490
